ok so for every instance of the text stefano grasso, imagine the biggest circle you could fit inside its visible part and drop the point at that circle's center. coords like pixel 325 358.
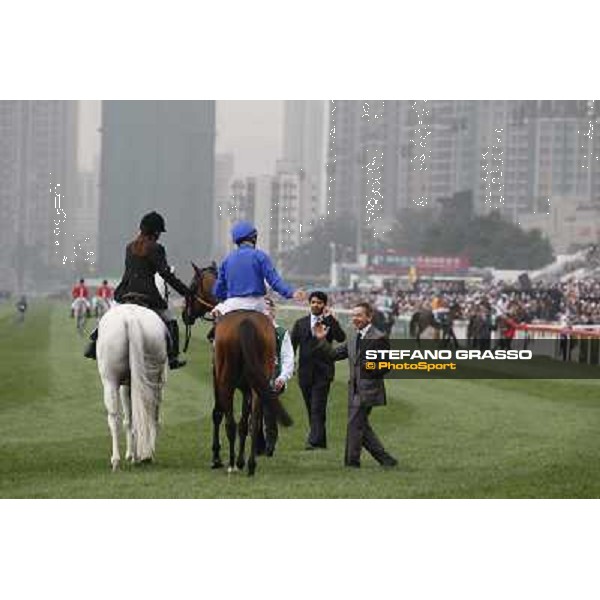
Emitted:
pixel 448 354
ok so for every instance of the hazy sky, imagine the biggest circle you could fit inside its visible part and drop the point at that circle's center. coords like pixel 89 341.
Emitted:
pixel 250 129
pixel 89 137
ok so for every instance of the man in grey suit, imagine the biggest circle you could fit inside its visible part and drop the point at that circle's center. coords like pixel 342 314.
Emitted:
pixel 363 393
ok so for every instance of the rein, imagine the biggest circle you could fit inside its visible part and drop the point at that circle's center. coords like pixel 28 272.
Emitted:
pixel 200 300
pixel 188 335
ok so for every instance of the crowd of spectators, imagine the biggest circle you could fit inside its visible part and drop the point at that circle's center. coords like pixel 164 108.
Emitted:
pixel 572 302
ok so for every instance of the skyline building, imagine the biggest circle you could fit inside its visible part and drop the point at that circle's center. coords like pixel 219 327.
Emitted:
pixel 386 156
pixel 157 155
pixel 305 143
pixel 38 191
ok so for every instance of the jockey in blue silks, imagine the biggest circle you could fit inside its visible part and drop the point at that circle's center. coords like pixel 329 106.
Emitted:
pixel 241 281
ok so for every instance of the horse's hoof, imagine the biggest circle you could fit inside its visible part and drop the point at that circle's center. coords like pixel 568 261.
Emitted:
pixel 251 470
pixel 240 464
pixel 145 462
pixel 115 466
pixel 230 470
pixel 216 464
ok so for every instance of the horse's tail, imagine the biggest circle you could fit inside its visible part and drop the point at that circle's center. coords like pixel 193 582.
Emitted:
pixel 147 378
pixel 254 371
pixel 413 325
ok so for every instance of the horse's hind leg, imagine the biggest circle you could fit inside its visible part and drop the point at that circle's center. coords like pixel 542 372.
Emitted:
pixel 455 345
pixel 256 422
pixel 231 430
pixel 271 431
pixel 243 429
pixel 125 394
pixel 111 401
pixel 217 419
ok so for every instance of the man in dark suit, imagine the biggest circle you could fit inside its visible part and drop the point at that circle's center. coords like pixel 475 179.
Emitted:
pixel 363 392
pixel 315 373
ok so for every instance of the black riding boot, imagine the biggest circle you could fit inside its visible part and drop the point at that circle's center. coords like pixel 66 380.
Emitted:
pixel 173 345
pixel 210 336
pixel 90 351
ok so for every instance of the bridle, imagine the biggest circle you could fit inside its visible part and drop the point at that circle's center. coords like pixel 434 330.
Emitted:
pixel 189 316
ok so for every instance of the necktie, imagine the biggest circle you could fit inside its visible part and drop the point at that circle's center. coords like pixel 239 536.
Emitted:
pixel 358 338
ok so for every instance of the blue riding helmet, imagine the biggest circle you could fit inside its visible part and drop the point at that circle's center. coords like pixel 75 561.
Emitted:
pixel 242 230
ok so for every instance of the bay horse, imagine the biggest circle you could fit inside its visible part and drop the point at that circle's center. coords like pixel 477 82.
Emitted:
pixel 244 358
pixel 132 359
pixel 423 319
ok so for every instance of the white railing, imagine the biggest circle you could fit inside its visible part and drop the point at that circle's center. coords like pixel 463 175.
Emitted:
pixel 580 342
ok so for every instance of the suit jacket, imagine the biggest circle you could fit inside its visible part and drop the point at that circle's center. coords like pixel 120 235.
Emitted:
pixel 367 391
pixel 314 369
pixel 139 276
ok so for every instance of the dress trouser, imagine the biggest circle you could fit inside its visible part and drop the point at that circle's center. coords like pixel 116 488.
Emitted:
pixel 315 398
pixel 360 435
pixel 268 432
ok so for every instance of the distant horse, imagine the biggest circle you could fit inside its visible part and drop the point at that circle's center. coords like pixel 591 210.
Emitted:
pixel 132 358
pixel 244 359
pixel 80 312
pixel 101 307
pixel 423 319
pixel 384 321
pixel 479 331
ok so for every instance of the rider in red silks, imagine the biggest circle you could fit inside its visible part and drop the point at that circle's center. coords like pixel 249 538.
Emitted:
pixel 105 291
pixel 104 296
pixel 79 291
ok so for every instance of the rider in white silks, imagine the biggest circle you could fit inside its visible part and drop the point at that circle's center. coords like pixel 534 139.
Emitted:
pixel 241 280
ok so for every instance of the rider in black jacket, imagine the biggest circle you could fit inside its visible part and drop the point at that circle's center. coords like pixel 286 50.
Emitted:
pixel 144 258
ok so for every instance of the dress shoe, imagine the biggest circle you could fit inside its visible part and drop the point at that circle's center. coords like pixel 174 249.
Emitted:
pixel 389 462
pixel 352 463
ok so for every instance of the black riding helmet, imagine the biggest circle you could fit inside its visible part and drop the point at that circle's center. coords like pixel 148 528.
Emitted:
pixel 152 223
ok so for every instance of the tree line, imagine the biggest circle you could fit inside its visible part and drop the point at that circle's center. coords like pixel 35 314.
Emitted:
pixel 450 227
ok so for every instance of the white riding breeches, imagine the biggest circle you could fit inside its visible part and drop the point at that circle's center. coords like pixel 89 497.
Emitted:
pixel 256 303
pixel 74 303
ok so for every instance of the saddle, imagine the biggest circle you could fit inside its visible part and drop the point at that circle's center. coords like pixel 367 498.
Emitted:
pixel 136 298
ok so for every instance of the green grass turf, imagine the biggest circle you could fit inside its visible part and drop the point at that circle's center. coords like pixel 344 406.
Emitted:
pixel 454 439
